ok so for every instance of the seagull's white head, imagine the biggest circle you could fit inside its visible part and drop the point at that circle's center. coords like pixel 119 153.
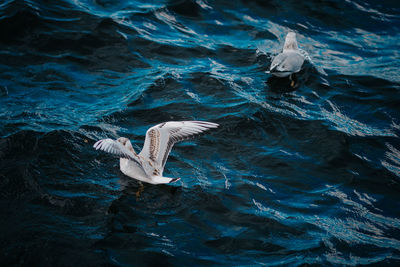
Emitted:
pixel 126 143
pixel 290 42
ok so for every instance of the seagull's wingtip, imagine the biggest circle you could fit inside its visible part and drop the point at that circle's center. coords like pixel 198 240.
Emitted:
pixel 214 125
pixel 96 145
pixel 99 144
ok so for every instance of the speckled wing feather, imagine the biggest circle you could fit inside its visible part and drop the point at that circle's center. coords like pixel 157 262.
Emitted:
pixel 161 138
pixel 116 148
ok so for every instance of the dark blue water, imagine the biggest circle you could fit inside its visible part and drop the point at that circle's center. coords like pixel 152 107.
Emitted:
pixel 309 175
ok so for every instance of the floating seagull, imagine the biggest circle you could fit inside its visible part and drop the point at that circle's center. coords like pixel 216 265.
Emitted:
pixel 148 165
pixel 289 61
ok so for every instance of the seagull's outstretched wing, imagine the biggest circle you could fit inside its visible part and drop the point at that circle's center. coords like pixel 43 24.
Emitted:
pixel 161 138
pixel 116 148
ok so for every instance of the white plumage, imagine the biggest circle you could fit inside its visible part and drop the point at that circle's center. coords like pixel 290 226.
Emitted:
pixel 290 60
pixel 148 165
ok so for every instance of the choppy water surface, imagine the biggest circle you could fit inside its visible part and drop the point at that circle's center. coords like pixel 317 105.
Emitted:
pixel 310 175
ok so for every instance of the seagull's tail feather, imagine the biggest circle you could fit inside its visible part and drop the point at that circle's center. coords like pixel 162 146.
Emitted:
pixel 163 180
pixel 174 180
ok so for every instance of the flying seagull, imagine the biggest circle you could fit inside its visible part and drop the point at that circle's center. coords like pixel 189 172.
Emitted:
pixel 148 165
pixel 289 61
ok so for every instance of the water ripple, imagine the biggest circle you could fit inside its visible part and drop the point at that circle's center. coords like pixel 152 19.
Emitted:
pixel 294 176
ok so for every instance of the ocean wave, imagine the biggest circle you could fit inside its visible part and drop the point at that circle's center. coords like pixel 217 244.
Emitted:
pixel 304 175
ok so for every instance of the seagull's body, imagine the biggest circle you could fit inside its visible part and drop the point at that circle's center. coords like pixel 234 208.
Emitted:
pixel 148 165
pixel 290 60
